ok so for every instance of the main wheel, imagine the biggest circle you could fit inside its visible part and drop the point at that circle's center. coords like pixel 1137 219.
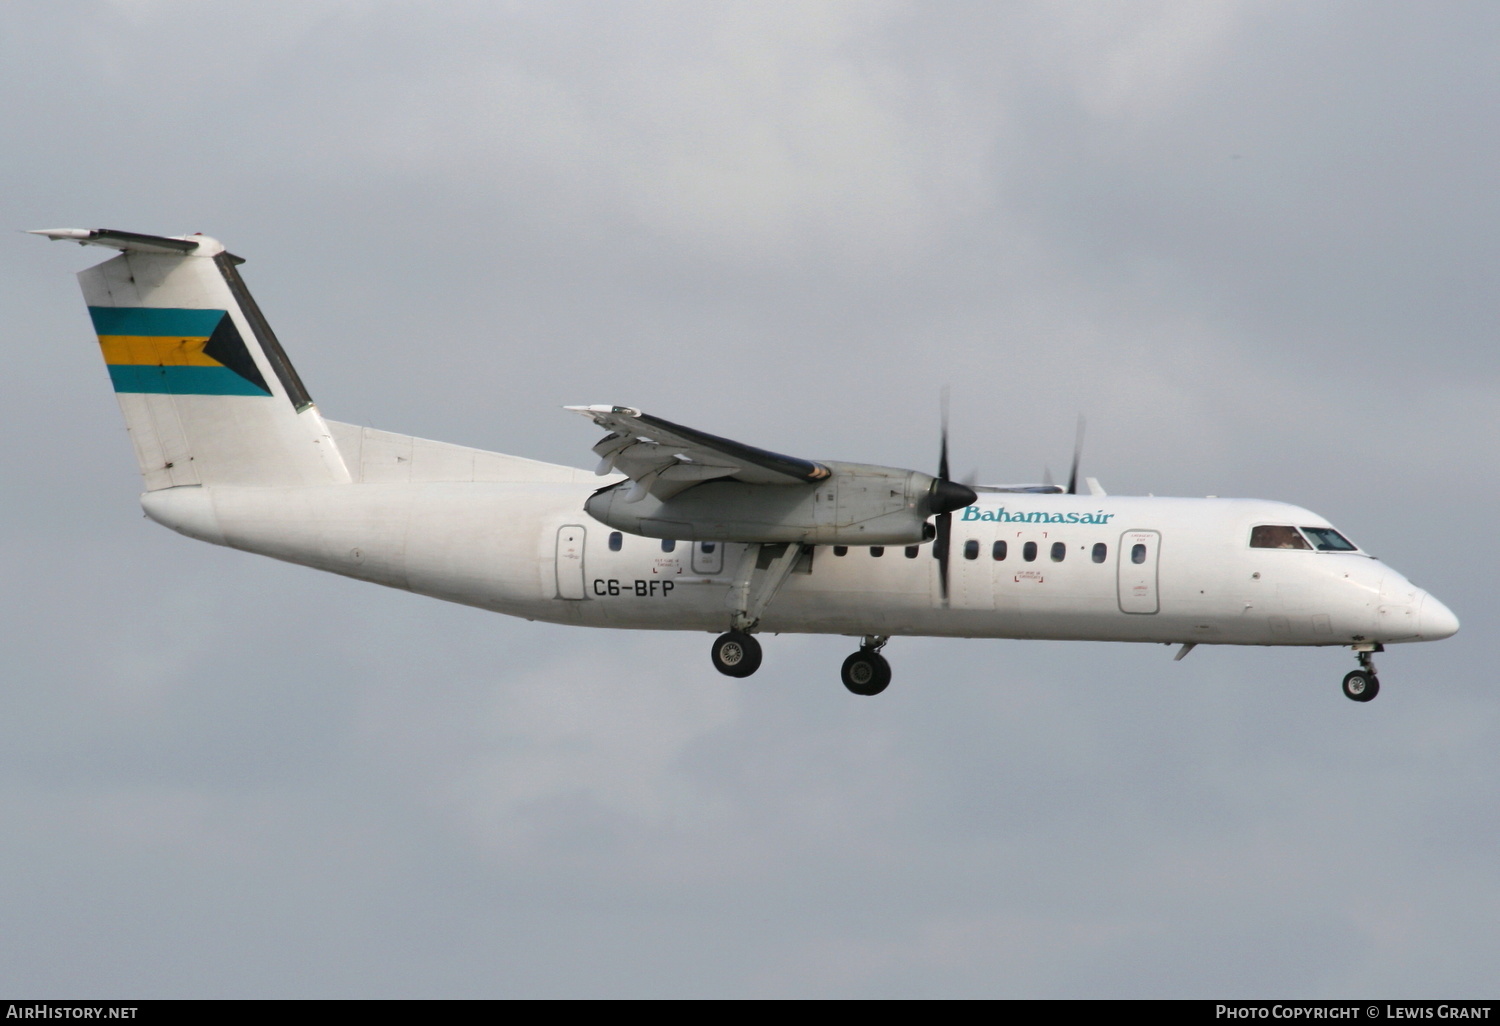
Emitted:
pixel 866 672
pixel 1361 685
pixel 736 654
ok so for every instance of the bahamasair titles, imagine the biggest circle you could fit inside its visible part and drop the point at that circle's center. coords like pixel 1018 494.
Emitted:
pixel 678 529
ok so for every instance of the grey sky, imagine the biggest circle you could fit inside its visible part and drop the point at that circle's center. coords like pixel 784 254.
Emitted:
pixel 1254 243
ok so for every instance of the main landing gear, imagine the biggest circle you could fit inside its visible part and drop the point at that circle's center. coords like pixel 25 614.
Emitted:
pixel 1362 685
pixel 763 569
pixel 737 654
pixel 866 672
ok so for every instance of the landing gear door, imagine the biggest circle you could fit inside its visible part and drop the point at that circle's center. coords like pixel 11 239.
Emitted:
pixel 708 558
pixel 1137 573
pixel 570 539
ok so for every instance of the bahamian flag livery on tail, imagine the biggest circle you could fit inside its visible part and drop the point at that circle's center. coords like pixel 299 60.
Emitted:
pixel 177 352
pixel 208 394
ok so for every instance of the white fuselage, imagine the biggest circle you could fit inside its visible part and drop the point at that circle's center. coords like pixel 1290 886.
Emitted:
pixel 233 451
pixel 1100 568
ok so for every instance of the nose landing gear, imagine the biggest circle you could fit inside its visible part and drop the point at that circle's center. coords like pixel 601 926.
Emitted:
pixel 1362 685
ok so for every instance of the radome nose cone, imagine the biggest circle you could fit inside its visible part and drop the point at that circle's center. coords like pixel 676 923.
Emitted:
pixel 1436 621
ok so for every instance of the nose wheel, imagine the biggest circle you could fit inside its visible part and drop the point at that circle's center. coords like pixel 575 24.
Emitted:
pixel 866 672
pixel 1362 685
pixel 736 654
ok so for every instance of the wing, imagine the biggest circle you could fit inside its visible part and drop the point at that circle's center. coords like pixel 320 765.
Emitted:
pixel 664 459
pixel 1026 489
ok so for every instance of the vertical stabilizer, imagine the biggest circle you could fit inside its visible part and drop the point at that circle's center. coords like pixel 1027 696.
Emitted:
pixel 208 394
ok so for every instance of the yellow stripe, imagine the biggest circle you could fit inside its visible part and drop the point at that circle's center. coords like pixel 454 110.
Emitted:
pixel 156 351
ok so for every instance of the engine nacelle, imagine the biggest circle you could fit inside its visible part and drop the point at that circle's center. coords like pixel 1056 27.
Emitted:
pixel 856 504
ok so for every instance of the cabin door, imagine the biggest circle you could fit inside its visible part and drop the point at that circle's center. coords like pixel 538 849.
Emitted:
pixel 570 539
pixel 708 558
pixel 1137 573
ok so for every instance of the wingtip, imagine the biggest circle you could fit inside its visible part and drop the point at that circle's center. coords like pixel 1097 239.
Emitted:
pixel 592 411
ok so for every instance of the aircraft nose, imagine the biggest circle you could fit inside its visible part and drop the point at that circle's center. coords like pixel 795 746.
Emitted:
pixel 1436 621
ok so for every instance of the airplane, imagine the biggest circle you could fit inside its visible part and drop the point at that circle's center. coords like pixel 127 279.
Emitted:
pixel 678 529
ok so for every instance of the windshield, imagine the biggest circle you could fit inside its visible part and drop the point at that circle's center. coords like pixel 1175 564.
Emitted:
pixel 1326 539
pixel 1275 536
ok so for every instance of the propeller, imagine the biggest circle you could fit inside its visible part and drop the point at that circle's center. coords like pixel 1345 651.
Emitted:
pixel 946 496
pixel 1077 455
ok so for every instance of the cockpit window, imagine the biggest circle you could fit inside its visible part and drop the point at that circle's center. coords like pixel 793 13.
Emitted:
pixel 1277 537
pixel 1326 539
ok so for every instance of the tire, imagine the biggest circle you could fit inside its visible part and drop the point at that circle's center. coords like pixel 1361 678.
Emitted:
pixel 1361 685
pixel 736 654
pixel 866 673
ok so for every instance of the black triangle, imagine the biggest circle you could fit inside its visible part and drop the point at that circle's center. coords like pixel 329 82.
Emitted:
pixel 226 346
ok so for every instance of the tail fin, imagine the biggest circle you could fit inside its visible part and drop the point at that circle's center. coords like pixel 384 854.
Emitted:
pixel 209 396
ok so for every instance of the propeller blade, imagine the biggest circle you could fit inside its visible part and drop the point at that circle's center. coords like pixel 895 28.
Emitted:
pixel 940 546
pixel 946 497
pixel 943 452
pixel 1077 456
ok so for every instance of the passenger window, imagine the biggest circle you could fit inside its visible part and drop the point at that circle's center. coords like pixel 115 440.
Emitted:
pixel 616 539
pixel 1028 552
pixel 841 550
pixel 1328 540
pixel 707 547
pixel 971 549
pixel 1277 537
pixel 877 551
pixel 997 550
pixel 911 552
pixel 668 545
pixel 1101 551
pixel 1059 552
pixel 1138 553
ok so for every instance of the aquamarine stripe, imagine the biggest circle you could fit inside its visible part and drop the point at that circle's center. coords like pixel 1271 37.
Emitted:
pixel 158 321
pixel 180 380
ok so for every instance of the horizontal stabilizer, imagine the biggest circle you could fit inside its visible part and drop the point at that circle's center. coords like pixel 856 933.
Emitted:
pixel 133 242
